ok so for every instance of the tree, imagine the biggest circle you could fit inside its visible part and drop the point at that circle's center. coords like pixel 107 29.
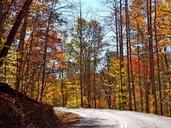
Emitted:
pixel 13 31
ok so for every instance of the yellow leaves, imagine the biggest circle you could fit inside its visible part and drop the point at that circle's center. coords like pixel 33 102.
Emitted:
pixel 72 90
pixel 71 86
pixel 164 42
pixel 37 6
pixel 110 74
pixel 138 20
pixel 73 102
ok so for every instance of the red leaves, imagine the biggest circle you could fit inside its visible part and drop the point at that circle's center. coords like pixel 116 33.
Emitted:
pixel 60 65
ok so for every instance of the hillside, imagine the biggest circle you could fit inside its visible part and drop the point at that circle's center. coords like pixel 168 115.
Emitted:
pixel 24 112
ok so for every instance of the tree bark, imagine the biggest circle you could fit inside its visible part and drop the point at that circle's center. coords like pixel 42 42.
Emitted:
pixel 158 61
pixel 20 51
pixel 81 56
pixel 151 56
pixel 10 38
pixel 121 56
pixel 128 56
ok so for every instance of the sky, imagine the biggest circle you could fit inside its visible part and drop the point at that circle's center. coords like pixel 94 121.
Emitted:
pixel 95 8
pixel 92 4
pixel 97 11
pixel 91 9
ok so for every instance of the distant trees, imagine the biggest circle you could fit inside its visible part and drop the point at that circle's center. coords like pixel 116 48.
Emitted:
pixel 91 39
pixel 143 22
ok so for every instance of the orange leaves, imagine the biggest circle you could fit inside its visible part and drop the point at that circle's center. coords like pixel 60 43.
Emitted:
pixel 59 53
pixel 60 65
pixel 37 5
pixel 136 62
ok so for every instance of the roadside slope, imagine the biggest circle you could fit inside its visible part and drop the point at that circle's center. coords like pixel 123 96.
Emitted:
pixel 24 112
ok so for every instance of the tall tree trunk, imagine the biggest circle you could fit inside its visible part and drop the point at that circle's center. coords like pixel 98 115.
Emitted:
pixel 81 52
pixel 10 38
pixel 20 61
pixel 121 57
pixel 140 60
pixel 116 29
pixel 158 61
pixel 145 75
pixel 151 58
pixel 139 79
pixel 62 89
pixel 44 66
pixel 132 79
pixel 89 83
pixel 128 56
pixel 94 77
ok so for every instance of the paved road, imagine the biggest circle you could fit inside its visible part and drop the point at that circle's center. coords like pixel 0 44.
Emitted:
pixel 104 118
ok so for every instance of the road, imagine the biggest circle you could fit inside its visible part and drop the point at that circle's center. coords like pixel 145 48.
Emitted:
pixel 104 118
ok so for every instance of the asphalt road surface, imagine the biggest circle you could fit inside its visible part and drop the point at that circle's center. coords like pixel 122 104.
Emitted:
pixel 104 118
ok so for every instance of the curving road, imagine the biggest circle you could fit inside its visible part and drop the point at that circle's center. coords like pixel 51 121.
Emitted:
pixel 104 118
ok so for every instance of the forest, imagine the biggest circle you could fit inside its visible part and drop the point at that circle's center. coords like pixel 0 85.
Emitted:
pixel 52 52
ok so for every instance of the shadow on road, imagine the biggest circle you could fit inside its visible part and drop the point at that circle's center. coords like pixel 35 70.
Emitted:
pixel 93 123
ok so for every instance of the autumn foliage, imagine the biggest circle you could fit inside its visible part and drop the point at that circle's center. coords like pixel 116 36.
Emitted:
pixel 122 64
